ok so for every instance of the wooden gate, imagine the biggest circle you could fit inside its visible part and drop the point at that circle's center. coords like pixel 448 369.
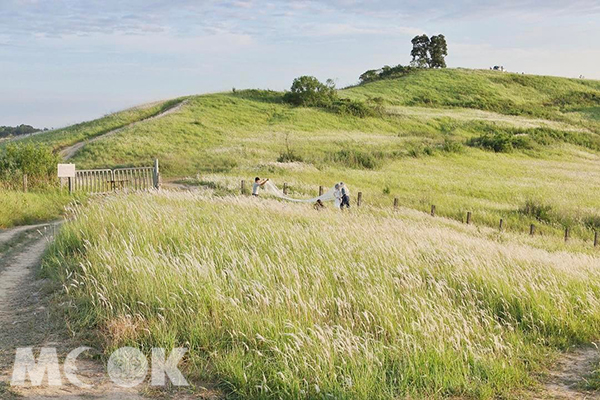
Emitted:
pixel 107 180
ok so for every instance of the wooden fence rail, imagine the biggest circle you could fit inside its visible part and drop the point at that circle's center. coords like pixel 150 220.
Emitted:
pixel 469 216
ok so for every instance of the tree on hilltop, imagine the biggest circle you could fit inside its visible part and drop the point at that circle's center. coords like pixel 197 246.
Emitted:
pixel 429 52
pixel 438 50
pixel 420 51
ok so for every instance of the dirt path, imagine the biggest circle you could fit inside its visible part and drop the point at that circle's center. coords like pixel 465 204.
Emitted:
pixel 25 321
pixel 8 235
pixel 567 380
pixel 70 151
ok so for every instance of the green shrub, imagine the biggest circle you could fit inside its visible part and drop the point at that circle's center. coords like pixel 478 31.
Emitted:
pixel 289 156
pixel 353 158
pixel 501 142
pixel 386 72
pixel 537 210
pixel 354 107
pixel 308 91
pixel 592 222
pixel 451 146
pixel 37 161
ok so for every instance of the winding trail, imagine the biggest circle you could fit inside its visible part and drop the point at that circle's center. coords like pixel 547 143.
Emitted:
pixel 26 320
pixel 69 152
pixel 567 379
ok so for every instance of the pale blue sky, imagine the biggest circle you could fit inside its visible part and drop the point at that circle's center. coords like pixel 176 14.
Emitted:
pixel 65 61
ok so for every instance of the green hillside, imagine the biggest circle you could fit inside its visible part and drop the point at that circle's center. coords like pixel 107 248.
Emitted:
pixel 434 143
pixel 279 300
pixel 574 100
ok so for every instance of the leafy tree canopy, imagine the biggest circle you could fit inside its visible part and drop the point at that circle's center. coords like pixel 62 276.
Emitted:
pixel 429 52
pixel 6 131
pixel 308 91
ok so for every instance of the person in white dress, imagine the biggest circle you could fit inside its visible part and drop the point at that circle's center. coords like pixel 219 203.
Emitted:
pixel 337 196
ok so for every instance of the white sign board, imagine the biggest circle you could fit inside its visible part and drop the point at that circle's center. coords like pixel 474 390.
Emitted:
pixel 66 170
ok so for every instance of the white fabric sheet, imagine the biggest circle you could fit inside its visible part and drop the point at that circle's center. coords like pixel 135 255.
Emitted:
pixel 270 188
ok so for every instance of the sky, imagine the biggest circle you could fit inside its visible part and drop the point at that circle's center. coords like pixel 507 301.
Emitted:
pixel 66 61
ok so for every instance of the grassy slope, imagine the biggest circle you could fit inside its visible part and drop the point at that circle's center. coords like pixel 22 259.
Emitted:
pixel 241 135
pixel 280 301
pixel 572 100
pixel 64 137
pixel 20 209
pixel 248 314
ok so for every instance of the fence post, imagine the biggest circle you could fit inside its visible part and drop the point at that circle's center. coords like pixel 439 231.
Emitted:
pixel 595 238
pixel 320 190
pixel 70 185
pixel 395 203
pixel 243 187
pixel 359 199
pixel 468 217
pixel 501 223
pixel 25 183
pixel 433 210
pixel 566 234
pixel 285 188
pixel 156 175
pixel 532 229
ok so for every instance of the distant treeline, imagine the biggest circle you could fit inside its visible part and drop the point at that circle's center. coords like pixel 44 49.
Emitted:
pixel 6 131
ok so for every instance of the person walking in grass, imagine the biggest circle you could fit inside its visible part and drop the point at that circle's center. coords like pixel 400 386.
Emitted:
pixel 337 196
pixel 257 185
pixel 345 194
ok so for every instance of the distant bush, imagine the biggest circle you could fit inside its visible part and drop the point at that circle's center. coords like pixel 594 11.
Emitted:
pixel 421 150
pixel 37 161
pixel 308 91
pixel 429 149
pixel 354 158
pixel 354 107
pixel 289 156
pixel 592 222
pixel 386 72
pixel 6 131
pixel 451 146
pixel 537 210
pixel 547 136
pixel 501 142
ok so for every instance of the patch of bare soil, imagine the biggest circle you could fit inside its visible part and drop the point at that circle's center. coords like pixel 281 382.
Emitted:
pixel 568 378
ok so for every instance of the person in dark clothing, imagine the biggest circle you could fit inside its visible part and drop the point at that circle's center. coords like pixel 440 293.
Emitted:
pixel 345 196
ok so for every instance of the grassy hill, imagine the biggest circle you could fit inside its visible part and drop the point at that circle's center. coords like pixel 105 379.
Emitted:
pixel 432 145
pixel 278 300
